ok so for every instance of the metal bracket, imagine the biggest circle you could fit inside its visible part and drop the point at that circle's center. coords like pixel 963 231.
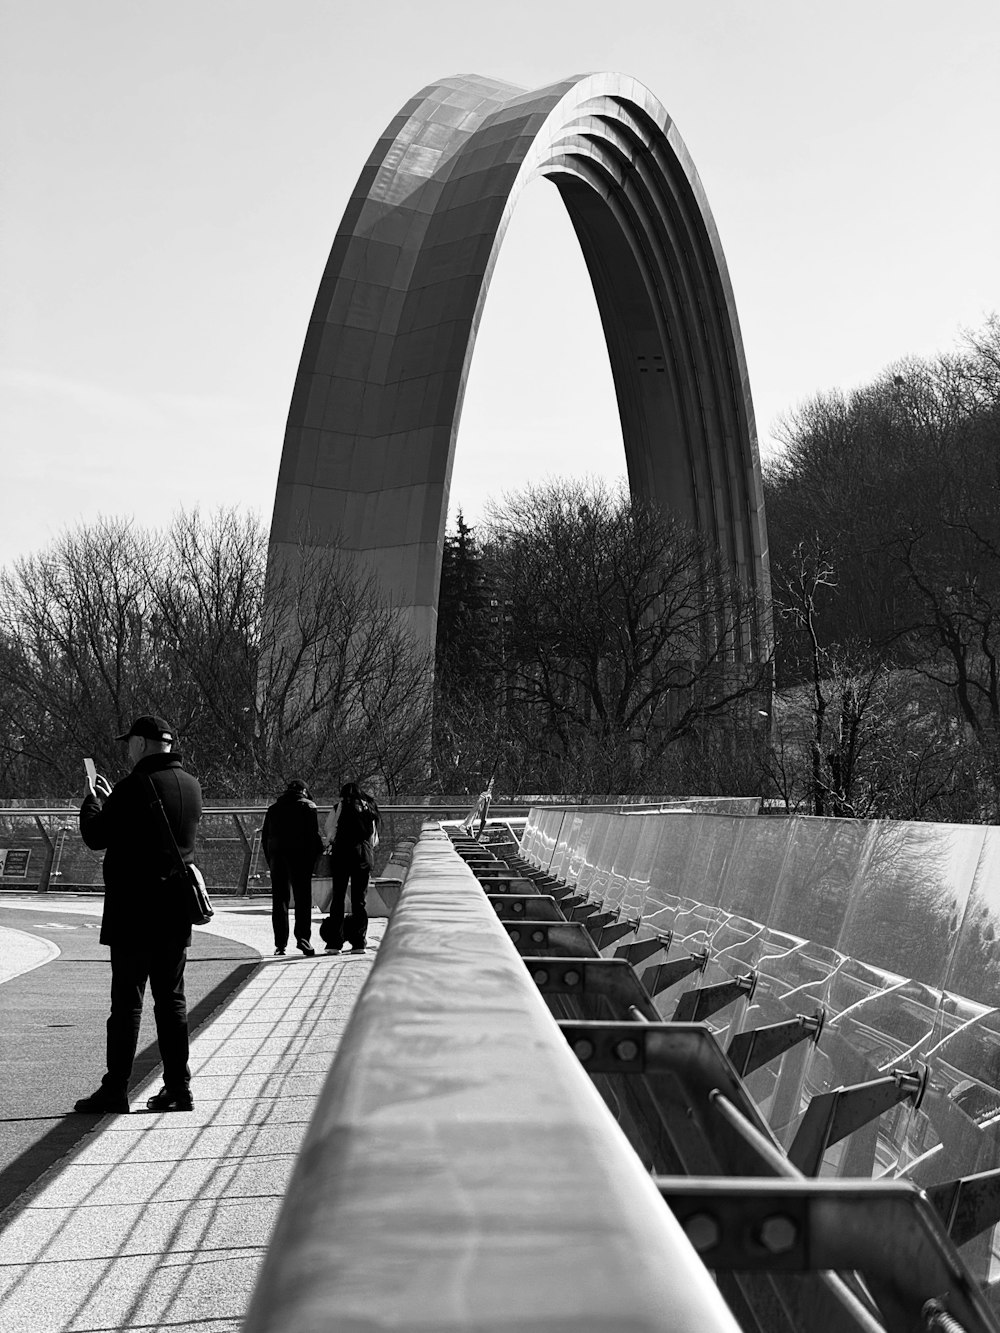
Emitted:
pixel 551 884
pixel 696 1005
pixel 610 980
pixel 611 933
pixel 512 884
pixel 756 1047
pixel 598 924
pixel 572 900
pixel 664 975
pixel 887 1231
pixel 831 1116
pixel 582 911
pixel 525 907
pixel 639 950
pixel 689 1052
pixel 968 1205
pixel 562 939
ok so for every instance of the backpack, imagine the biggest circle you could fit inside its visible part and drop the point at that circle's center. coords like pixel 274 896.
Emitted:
pixel 356 822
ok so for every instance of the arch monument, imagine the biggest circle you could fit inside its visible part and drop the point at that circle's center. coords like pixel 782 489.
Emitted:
pixel 375 410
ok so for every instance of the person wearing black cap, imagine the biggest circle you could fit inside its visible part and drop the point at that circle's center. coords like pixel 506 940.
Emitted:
pixel 291 842
pixel 147 930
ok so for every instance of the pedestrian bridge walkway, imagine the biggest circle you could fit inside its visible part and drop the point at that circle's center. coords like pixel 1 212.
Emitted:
pixel 161 1221
pixel 533 1071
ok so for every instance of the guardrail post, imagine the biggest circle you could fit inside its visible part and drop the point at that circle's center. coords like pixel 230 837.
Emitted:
pixel 244 885
pixel 50 856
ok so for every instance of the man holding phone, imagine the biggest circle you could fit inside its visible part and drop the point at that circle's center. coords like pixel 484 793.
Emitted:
pixel 144 927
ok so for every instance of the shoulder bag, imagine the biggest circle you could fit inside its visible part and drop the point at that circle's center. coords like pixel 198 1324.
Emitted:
pixel 185 877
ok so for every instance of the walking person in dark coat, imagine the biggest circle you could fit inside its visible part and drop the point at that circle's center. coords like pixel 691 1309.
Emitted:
pixel 146 927
pixel 291 842
pixel 352 828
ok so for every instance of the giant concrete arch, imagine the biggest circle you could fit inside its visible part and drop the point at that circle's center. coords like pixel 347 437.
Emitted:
pixel 375 410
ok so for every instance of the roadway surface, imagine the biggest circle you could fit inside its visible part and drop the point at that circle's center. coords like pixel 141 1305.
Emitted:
pixel 52 1027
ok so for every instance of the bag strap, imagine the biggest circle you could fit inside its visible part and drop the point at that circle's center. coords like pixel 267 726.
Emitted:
pixel 182 864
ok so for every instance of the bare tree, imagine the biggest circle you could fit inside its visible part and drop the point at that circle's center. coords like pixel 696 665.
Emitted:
pixel 622 633
pixel 859 738
pixel 313 675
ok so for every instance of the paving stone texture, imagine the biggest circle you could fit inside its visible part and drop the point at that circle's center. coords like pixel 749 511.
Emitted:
pixel 161 1220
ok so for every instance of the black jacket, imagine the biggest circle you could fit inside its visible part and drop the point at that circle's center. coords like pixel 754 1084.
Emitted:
pixel 137 855
pixel 356 821
pixel 291 832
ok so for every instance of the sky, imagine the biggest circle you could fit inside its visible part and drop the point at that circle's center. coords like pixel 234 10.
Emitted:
pixel 175 175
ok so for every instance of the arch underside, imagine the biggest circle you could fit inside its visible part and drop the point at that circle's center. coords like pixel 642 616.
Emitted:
pixel 377 401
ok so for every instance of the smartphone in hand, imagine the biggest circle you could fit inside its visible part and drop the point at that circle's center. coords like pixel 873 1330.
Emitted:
pixel 91 768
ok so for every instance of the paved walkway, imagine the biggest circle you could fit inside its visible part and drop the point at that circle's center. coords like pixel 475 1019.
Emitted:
pixel 160 1221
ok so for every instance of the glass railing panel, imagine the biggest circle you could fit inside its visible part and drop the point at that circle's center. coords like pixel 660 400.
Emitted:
pixel 816 877
pixel 604 859
pixel 667 875
pixel 539 838
pixel 592 876
pixel 957 1130
pixel 738 943
pixel 714 838
pixel 751 873
pixel 909 897
pixel 694 925
pixel 573 844
pixel 793 977
pixel 975 963
pixel 616 860
pixel 531 836
pixel 623 862
pixel 588 845
pixel 635 894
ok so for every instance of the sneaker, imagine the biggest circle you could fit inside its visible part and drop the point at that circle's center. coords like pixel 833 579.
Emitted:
pixel 101 1102
pixel 279 953
pixel 171 1101
pixel 358 948
pixel 330 949
pixel 305 947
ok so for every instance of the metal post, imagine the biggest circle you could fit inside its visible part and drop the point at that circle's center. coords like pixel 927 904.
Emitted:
pixel 43 878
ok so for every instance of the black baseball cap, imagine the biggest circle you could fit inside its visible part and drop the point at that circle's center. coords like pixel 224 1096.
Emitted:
pixel 152 728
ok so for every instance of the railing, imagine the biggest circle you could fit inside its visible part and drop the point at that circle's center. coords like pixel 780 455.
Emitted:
pixel 49 854
pixel 850 969
pixel 460 1171
pixel 458 1174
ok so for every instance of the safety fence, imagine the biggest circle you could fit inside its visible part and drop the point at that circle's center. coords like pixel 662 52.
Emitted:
pixel 851 971
pixel 41 849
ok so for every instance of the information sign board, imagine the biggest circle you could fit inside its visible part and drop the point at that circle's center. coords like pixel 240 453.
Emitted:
pixel 14 862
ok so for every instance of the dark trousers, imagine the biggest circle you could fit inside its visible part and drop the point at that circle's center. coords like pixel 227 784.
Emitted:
pixel 290 882
pixel 357 876
pixel 163 967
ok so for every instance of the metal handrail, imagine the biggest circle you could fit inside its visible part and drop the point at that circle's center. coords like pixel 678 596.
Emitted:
pixel 460 1170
